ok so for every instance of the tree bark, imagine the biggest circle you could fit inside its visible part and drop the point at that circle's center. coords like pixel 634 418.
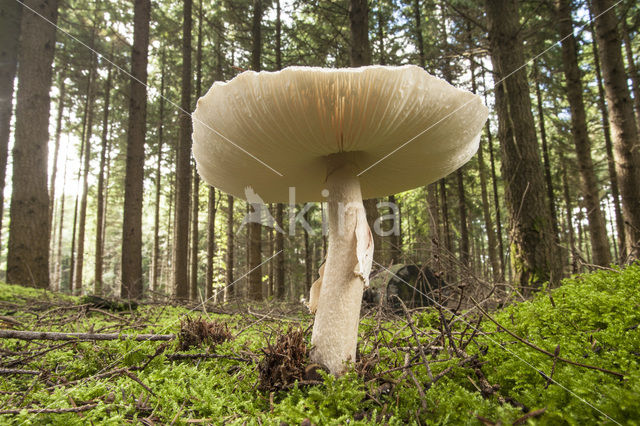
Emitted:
pixel 446 231
pixel 56 147
pixel 57 281
pixel 611 164
pixel 195 203
pixel 396 238
pixel 131 285
pixel 183 167
pixel 308 267
pixel 155 256
pixel 211 241
pixel 462 209
pixel 633 69
pixel 359 26
pixel 534 253
pixel 278 282
pixel 82 220
pixel 229 282
pixel 100 196
pixel 546 162
pixel 279 267
pixel 28 256
pixel 10 16
pixel 482 172
pixel 496 200
pixel 590 187
pixel 623 125
pixel 254 230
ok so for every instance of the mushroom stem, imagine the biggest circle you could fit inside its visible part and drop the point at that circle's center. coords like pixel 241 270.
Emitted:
pixel 335 330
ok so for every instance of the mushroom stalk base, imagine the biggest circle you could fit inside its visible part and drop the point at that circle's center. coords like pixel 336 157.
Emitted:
pixel 339 296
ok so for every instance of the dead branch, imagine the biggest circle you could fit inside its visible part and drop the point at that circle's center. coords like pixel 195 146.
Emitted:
pixel 46 335
pixel 7 371
pixel 79 409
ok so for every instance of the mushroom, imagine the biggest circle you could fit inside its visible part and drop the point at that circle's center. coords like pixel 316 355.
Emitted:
pixel 335 135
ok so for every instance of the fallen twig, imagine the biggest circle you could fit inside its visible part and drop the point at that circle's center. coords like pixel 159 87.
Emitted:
pixel 46 335
pixel 6 371
pixel 79 409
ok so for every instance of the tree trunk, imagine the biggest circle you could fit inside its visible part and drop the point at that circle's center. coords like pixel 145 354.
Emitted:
pixel 569 212
pixel 590 187
pixel 100 193
pixel 56 147
pixel 57 283
pixel 82 219
pixel 279 268
pixel 623 125
pixel 155 256
pixel 359 25
pixel 496 200
pixel 633 69
pixel 183 167
pixel 10 16
pixel 131 285
pixel 613 175
pixel 229 282
pixel 254 230
pixel 211 241
pixel 417 18
pixel 195 203
pixel 308 267
pixel 462 208
pixel 546 162
pixel 396 237
pixel 446 231
pixel 28 256
pixel 534 255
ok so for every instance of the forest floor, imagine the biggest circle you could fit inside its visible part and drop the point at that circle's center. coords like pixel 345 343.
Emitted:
pixel 569 356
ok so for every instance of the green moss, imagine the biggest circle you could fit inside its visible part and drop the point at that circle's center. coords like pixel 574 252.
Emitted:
pixel 595 321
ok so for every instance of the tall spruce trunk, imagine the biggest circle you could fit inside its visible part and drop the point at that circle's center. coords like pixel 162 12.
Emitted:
pixel 82 215
pixel 211 242
pixel 611 164
pixel 546 161
pixel 131 285
pixel 254 230
pixel 195 198
pixel 57 281
pixel 496 200
pixel 229 281
pixel 195 203
pixel 100 195
pixel 588 180
pixel 396 237
pixel 155 255
pixel 10 16
pixel 56 147
pixel 278 269
pixel 183 167
pixel 534 254
pixel 623 126
pixel 486 213
pixel 28 256
pixel 211 202
pixel 632 68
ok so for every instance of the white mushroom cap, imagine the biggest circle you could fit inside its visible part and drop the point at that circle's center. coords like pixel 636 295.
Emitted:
pixel 257 124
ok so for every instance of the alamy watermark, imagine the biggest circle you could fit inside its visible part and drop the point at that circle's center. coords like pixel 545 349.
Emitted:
pixel 261 214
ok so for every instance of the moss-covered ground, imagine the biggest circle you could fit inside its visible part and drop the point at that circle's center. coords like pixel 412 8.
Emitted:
pixel 477 373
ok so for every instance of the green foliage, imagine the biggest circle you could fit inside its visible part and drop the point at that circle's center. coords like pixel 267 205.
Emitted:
pixel 594 318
